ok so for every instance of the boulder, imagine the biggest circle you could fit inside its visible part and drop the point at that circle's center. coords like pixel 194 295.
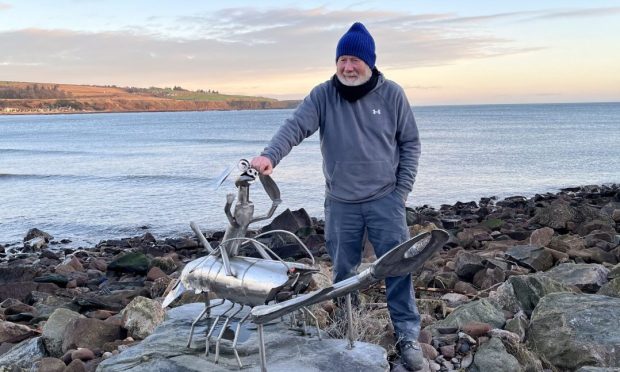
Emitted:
pixel 468 264
pixel 531 256
pixel 89 333
pixel 141 317
pixel 291 221
pixel 541 237
pixel 556 215
pixel 133 262
pixel 574 330
pixel 487 278
pixel 14 333
pixel 566 243
pixel 23 355
pixel 523 292
pixel 492 356
pixel 36 233
pixel 587 277
pixel 611 288
pixel 49 365
pixel 54 329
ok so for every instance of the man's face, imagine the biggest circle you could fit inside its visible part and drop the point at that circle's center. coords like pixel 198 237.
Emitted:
pixel 352 71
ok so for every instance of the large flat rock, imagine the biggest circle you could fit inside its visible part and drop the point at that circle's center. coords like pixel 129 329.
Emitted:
pixel 574 330
pixel 287 350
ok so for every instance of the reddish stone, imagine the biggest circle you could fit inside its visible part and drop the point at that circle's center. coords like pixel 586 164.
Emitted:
pixel 476 329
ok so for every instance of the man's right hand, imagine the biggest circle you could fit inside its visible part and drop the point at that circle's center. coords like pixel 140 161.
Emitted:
pixel 262 164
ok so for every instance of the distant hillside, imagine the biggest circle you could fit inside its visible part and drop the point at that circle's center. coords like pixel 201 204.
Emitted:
pixel 44 98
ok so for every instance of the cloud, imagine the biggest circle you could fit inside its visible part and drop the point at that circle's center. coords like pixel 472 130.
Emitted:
pixel 5 6
pixel 247 48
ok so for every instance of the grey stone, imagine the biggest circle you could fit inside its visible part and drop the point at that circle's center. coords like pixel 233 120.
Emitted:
pixel 492 356
pixel 541 237
pixel 164 349
pixel 24 354
pixel 574 330
pixel 54 329
pixel 587 277
pixel 477 311
pixel 141 316
pixel 522 292
pixel 468 264
pixel 565 243
pixel 614 272
pixel 13 332
pixel 531 256
pixel 611 288
pixel 598 369
pixel 89 333
pixel 518 325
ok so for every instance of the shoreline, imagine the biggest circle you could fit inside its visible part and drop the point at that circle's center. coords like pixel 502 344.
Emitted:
pixel 507 262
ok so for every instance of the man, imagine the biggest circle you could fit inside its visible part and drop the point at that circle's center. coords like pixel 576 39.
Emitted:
pixel 370 147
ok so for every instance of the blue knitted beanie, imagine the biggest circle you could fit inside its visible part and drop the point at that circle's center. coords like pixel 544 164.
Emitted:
pixel 359 43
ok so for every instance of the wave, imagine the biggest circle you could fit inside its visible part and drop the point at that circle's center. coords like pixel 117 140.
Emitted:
pixel 119 178
pixel 49 152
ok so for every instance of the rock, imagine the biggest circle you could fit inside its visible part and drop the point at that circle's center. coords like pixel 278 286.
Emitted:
pixel 49 365
pixel 166 264
pixel 76 365
pixel 35 244
pixel 492 356
pixel 595 255
pixel 36 233
pixel 566 243
pixel 166 350
pixel 573 330
pixel 611 288
pixel 17 273
pixel 98 264
pixel 182 243
pixel 598 369
pixel 486 278
pixel 587 277
pixel 476 329
pixel 133 262
pixel 291 221
pixel 17 308
pixel 614 272
pixel 155 273
pixel 455 299
pixel 468 264
pixel 465 288
pixel 523 292
pixel 24 354
pixel 14 333
pixel 83 354
pixel 518 325
pixel 478 311
pixel 447 351
pixel 54 329
pixel 531 256
pixel 541 237
pixel 59 280
pixel 141 317
pixel 556 215
pixel 89 333
pixel 429 351
pixel 445 280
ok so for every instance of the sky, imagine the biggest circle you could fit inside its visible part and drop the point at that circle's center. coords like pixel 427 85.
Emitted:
pixel 442 52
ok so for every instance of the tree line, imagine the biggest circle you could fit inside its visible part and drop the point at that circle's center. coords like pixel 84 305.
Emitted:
pixel 33 91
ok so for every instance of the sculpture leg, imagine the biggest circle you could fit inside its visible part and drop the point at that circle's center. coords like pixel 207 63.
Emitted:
pixel 206 311
pixel 217 319
pixel 350 333
pixel 219 337
pixel 261 349
pixel 234 344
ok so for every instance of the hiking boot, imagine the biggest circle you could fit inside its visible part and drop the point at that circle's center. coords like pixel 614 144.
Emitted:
pixel 411 355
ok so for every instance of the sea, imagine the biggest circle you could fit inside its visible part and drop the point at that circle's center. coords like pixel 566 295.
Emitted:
pixel 91 177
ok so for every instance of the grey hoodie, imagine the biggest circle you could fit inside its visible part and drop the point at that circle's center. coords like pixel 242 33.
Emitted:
pixel 370 146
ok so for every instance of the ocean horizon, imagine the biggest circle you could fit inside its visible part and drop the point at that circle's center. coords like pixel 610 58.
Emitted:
pixel 90 177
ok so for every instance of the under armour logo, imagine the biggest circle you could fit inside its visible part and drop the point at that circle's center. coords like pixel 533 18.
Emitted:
pixel 376 112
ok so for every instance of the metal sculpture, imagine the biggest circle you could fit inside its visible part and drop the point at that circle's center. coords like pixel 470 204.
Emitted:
pixel 270 286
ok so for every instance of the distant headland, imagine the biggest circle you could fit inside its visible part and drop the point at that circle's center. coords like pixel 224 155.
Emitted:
pixel 50 98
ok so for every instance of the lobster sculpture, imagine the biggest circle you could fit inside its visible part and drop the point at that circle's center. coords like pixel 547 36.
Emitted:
pixel 270 286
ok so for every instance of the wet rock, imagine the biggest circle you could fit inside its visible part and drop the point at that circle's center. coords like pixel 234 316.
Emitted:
pixel 54 328
pixel 575 330
pixel 523 292
pixel 14 333
pixel 89 333
pixel 468 264
pixel 587 277
pixel 36 233
pixel 492 356
pixel 24 354
pixel 141 317
pixel 531 256
pixel 133 262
